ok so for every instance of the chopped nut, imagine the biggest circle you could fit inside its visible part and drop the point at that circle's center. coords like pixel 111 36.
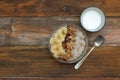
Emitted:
pixel 68 43
pixel 72 28
pixel 68 51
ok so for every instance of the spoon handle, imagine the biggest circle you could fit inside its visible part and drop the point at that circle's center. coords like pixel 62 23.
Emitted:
pixel 82 60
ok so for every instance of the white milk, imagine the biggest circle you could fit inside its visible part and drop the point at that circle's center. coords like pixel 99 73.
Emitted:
pixel 91 20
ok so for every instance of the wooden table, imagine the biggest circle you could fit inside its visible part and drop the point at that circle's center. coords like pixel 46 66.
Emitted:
pixel 25 28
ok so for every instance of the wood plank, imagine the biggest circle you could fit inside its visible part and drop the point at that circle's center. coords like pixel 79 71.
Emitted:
pixel 35 61
pixel 56 8
pixel 65 7
pixel 38 78
pixel 37 30
pixel 29 55
pixel 6 8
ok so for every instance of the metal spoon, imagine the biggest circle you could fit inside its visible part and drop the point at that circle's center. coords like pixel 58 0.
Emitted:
pixel 97 42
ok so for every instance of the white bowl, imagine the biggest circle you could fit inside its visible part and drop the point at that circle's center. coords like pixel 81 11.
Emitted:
pixel 92 19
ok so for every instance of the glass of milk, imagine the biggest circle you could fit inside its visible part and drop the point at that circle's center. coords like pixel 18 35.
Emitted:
pixel 92 19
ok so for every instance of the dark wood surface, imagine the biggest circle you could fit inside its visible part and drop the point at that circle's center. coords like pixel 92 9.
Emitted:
pixel 25 29
pixel 56 8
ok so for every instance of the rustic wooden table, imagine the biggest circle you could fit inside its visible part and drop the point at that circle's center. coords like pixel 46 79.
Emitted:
pixel 25 28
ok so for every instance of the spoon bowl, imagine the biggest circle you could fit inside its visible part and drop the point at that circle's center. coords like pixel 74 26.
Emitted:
pixel 97 42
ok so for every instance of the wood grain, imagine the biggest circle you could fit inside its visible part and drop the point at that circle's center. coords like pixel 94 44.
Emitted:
pixel 56 8
pixel 37 62
pixel 25 33
pixel 31 78
pixel 37 30
pixel 59 78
